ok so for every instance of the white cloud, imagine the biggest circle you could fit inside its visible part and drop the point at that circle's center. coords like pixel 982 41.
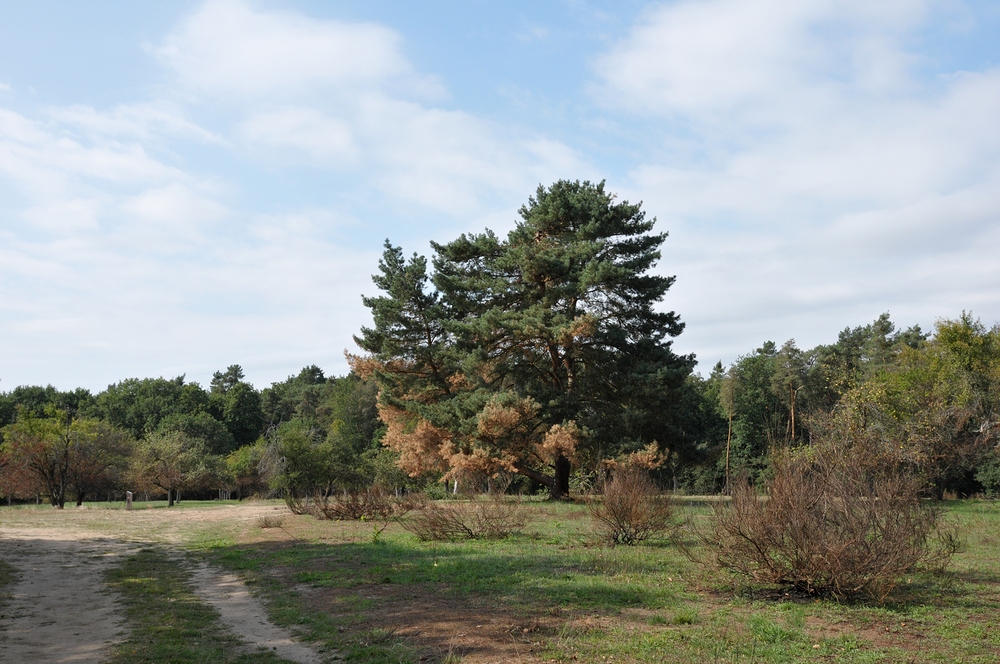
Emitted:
pixel 228 48
pixel 131 121
pixel 152 237
pixel 822 178
pixel 306 130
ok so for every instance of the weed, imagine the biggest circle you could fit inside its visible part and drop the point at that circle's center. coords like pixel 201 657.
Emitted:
pixel 830 525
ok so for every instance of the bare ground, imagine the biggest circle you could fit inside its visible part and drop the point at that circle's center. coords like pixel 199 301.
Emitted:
pixel 60 610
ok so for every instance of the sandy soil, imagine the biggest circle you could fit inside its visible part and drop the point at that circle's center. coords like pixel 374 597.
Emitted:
pixel 244 615
pixel 60 609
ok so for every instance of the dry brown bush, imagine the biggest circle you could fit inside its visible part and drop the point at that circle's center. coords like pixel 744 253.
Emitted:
pixel 491 517
pixel 372 504
pixel 270 521
pixel 830 524
pixel 632 509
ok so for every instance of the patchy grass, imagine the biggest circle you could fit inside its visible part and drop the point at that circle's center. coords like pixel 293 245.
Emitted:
pixel 7 578
pixel 167 623
pixel 555 594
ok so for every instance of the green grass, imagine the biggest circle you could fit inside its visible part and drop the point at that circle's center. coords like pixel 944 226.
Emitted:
pixel 167 623
pixel 631 604
pixel 553 592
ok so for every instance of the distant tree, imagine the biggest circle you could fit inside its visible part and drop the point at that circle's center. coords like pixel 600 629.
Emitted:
pixel 35 400
pixel 201 426
pixel 174 461
pixel 298 396
pixel 139 405
pixel 101 454
pixel 62 454
pixel 223 381
pixel 243 470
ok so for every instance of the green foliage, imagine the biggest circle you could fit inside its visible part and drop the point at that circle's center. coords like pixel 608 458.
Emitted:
pixel 173 461
pixel 35 400
pixel 988 475
pixel 554 331
pixel 243 469
pixel 202 426
pixel 139 405
pixel 298 396
pixel 57 454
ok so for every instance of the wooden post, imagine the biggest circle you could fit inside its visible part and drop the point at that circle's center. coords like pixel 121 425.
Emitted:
pixel 128 501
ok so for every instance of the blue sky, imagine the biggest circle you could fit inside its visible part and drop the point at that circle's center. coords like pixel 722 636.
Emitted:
pixel 189 185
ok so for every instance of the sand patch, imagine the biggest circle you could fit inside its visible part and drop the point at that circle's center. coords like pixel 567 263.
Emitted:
pixel 59 610
pixel 242 614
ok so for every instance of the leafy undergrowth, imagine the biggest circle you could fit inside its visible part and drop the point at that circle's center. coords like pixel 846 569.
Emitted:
pixel 556 594
pixel 166 622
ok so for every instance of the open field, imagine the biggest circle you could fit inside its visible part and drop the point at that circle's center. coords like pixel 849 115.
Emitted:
pixel 550 594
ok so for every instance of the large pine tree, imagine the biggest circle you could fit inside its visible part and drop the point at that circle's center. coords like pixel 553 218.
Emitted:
pixel 532 352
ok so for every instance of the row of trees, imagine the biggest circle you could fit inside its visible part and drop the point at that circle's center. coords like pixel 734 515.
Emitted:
pixel 545 354
pixel 927 401
pixel 166 436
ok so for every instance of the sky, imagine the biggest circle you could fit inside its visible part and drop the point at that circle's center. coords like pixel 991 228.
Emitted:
pixel 194 184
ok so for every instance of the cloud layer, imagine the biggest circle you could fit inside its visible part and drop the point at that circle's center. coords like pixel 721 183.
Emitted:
pixel 825 176
pixel 816 163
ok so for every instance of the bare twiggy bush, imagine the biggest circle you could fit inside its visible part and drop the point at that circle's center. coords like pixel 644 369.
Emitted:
pixel 271 521
pixel 830 524
pixel 632 509
pixel 492 517
pixel 372 504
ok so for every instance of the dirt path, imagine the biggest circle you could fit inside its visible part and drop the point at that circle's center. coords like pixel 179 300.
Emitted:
pixel 245 617
pixel 59 610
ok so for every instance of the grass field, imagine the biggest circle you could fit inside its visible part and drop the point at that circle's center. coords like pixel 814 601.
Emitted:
pixel 554 593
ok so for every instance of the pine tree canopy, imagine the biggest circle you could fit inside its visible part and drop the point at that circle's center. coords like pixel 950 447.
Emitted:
pixel 532 353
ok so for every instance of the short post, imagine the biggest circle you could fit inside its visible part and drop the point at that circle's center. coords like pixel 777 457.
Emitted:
pixel 128 501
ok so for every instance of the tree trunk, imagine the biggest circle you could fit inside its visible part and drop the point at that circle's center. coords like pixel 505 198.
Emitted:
pixel 79 498
pixel 545 480
pixel 560 485
pixel 170 498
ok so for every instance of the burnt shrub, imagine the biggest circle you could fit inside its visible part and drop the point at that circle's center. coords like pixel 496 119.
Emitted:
pixel 830 521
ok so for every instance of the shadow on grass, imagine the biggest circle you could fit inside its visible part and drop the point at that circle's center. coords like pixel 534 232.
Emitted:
pixel 379 601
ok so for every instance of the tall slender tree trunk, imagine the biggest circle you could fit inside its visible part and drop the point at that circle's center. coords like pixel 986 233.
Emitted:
pixel 729 440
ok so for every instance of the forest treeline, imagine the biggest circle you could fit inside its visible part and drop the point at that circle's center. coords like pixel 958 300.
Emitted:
pixel 927 399
pixel 545 355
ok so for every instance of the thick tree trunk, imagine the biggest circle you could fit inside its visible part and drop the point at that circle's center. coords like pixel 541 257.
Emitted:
pixel 535 475
pixel 560 487
pixel 170 498
pixel 79 498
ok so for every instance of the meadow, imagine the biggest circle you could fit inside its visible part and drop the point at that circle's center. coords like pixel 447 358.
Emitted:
pixel 551 593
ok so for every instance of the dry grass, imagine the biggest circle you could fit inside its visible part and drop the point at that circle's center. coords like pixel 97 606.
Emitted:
pixel 270 521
